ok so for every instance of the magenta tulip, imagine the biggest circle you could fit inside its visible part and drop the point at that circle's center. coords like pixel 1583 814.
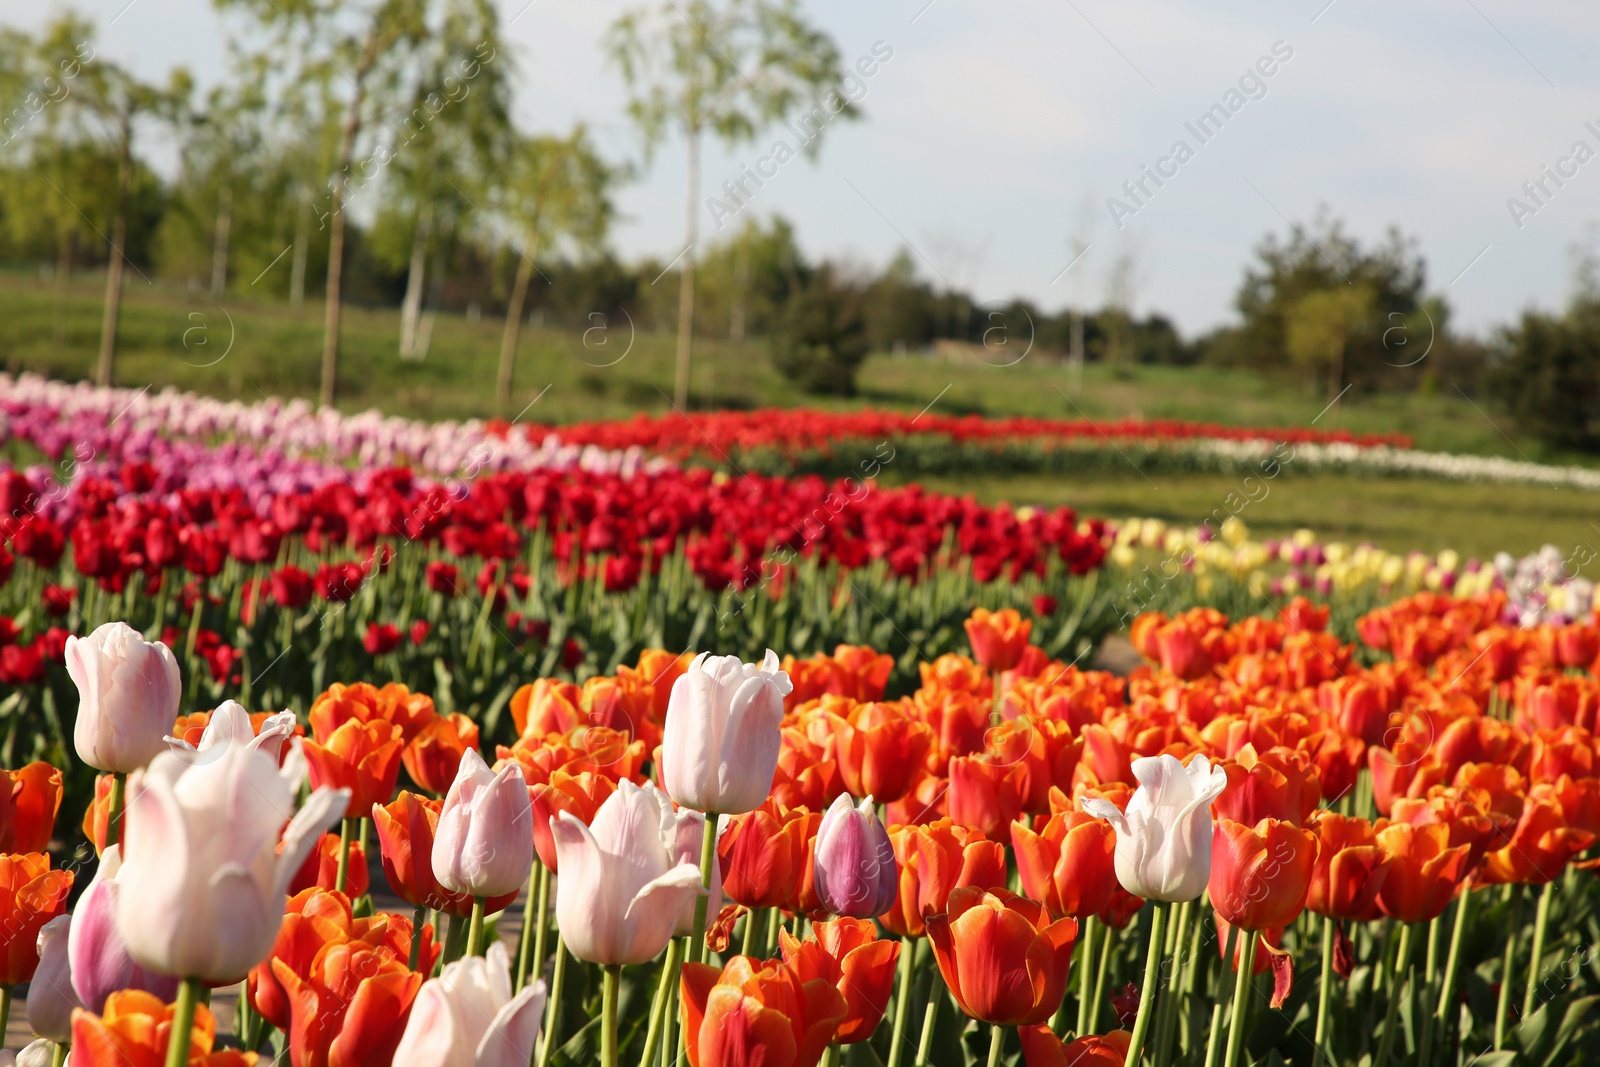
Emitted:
pixel 854 861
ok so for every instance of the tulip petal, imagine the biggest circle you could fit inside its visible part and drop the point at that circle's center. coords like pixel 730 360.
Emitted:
pixel 514 1031
pixel 323 809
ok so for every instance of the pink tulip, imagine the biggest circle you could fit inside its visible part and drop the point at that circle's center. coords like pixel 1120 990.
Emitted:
pixel 203 883
pixel 620 896
pixel 467 1017
pixel 100 963
pixel 128 696
pixel 682 834
pixel 720 747
pixel 484 843
pixel 50 995
pixel 854 861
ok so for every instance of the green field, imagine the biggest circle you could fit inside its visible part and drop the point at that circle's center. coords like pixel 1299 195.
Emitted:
pixel 247 349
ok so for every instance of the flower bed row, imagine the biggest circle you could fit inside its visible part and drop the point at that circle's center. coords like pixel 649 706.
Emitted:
pixel 1382 845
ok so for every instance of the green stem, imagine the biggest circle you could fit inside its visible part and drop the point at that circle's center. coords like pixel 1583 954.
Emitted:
pixel 1391 1017
pixel 1167 1006
pixel 553 1011
pixel 611 978
pixel 1541 924
pixel 5 1011
pixel 902 1002
pixel 454 939
pixel 182 1021
pixel 671 1034
pixel 930 1019
pixel 708 857
pixel 119 792
pixel 774 920
pixel 749 941
pixel 417 917
pixel 475 929
pixel 830 1056
pixel 1214 1039
pixel 1241 998
pixel 1452 963
pixel 346 826
pixel 535 905
pixel 1325 990
pixel 58 1055
pixel 658 1007
pixel 997 1040
pixel 1085 979
pixel 1506 968
pixel 1152 978
pixel 1101 972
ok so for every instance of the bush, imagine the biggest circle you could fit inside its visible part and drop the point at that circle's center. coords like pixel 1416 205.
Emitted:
pixel 1549 375
pixel 821 338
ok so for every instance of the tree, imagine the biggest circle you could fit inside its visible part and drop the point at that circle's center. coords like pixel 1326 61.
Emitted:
pixel 822 338
pixel 729 69
pixel 104 106
pixel 1318 258
pixel 1320 326
pixel 554 188
pixel 1548 369
pixel 361 53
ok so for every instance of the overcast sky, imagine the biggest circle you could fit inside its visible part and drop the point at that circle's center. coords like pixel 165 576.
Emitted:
pixel 998 130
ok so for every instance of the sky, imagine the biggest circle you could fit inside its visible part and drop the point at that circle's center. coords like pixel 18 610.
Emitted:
pixel 997 138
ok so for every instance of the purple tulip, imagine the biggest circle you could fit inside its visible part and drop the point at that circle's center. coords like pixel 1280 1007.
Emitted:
pixel 855 869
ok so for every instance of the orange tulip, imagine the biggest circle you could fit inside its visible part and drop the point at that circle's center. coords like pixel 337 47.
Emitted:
pixel 998 637
pixel 547 706
pixel 986 794
pixel 1564 750
pixel 623 704
pixel 1424 870
pixel 763 854
pixel 351 1007
pixel 959 721
pixel 808 775
pixel 29 801
pixel 1360 706
pixel 757 1014
pixel 1350 868
pixel 1260 874
pixel 134 1032
pixel 434 755
pixel 580 795
pixel 1042 1048
pixel 1541 846
pixel 1069 866
pixel 363 757
pixel 321 868
pixel 1279 783
pixel 31 894
pixel 657 670
pixel 847 954
pixel 405 844
pixel 951 673
pixel 314 919
pixel 585 748
pixel 861 672
pixel 1001 956
pixel 881 750
pixel 97 816
pixel 934 860
pixel 365 702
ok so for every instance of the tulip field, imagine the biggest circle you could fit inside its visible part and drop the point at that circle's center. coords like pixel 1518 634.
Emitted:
pixel 705 747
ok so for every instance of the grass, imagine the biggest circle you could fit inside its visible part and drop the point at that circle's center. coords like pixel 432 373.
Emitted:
pixel 246 349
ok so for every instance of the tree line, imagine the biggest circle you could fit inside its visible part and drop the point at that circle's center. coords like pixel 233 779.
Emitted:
pixel 405 107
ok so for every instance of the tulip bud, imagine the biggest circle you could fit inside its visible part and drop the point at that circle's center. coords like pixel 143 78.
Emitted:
pixel 484 843
pixel 128 696
pixel 1164 839
pixel 720 747
pixel 855 869
pixel 203 883
pixel 50 995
